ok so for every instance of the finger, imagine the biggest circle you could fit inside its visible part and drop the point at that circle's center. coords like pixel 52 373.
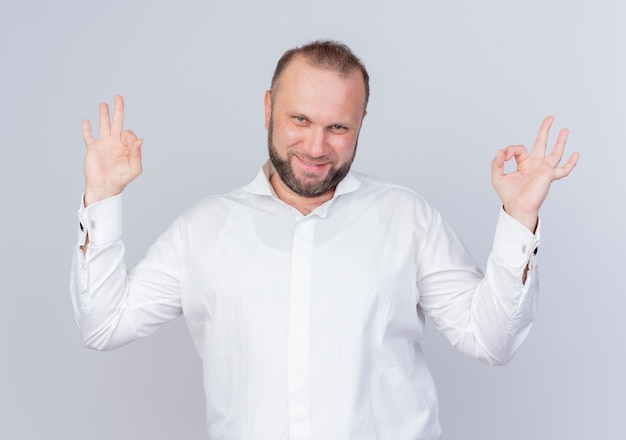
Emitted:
pixel 128 137
pixel 564 170
pixel 105 129
pixel 541 141
pixel 559 148
pixel 518 151
pixel 497 166
pixel 87 135
pixel 118 116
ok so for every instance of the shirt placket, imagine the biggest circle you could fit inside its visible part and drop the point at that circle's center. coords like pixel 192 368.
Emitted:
pixel 299 329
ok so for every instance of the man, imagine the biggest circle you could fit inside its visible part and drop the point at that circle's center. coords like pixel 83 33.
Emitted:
pixel 305 291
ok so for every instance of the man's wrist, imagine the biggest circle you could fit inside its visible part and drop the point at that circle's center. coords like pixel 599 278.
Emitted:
pixel 529 221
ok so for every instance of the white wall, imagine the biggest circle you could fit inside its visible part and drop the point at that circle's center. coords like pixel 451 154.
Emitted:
pixel 451 83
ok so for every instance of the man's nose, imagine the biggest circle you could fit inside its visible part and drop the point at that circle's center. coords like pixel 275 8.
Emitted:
pixel 316 143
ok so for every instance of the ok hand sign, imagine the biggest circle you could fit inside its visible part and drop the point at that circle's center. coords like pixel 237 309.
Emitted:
pixel 523 191
pixel 114 159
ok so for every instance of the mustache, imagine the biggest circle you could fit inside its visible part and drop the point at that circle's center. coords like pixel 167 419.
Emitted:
pixel 310 160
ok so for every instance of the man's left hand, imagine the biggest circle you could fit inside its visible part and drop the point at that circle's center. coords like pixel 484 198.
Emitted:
pixel 523 191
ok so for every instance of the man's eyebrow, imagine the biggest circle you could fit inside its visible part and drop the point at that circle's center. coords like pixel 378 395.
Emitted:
pixel 300 114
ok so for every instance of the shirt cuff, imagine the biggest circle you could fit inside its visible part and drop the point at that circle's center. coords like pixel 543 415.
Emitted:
pixel 514 243
pixel 102 220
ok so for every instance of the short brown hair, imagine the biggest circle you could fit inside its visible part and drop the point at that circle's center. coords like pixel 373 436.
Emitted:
pixel 325 54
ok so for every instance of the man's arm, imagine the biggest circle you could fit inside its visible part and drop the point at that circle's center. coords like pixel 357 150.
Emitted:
pixel 113 307
pixel 489 318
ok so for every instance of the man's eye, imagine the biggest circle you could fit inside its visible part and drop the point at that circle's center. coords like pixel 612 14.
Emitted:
pixel 300 118
pixel 337 127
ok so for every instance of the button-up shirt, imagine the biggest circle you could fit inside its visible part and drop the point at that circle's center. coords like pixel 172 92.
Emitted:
pixel 308 326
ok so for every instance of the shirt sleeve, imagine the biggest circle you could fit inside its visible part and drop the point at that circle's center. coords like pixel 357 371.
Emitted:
pixel 113 306
pixel 486 316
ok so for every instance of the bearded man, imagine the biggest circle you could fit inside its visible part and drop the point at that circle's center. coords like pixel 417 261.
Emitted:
pixel 306 291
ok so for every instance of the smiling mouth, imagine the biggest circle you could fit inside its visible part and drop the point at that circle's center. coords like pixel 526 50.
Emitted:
pixel 311 165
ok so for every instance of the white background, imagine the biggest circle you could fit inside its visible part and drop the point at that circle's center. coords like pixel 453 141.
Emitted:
pixel 451 81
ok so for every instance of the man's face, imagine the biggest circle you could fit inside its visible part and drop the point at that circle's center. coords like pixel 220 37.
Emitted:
pixel 313 121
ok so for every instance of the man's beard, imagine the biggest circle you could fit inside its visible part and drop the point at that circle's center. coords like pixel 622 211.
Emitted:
pixel 314 189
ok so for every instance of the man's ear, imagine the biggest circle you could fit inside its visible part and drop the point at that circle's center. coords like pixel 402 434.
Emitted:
pixel 268 108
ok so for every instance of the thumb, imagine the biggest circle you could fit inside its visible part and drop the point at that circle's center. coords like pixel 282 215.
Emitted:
pixel 135 155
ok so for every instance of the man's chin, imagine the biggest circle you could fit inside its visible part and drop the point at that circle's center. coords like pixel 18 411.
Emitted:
pixel 311 187
pixel 310 180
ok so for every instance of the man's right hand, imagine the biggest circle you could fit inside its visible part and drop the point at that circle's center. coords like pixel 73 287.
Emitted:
pixel 114 159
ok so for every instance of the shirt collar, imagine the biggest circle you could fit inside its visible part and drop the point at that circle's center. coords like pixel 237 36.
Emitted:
pixel 261 183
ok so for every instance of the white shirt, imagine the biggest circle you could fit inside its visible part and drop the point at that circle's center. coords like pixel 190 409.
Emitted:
pixel 309 326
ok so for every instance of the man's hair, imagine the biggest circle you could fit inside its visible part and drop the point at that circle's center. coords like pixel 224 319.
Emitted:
pixel 325 54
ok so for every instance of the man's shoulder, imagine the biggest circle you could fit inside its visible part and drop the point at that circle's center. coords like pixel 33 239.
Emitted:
pixel 377 185
pixel 391 198
pixel 215 205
